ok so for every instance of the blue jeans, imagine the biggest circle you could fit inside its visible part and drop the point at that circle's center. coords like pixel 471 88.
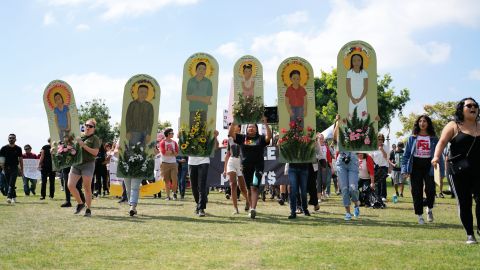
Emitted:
pixel 297 112
pixel 348 179
pixel 182 178
pixel 297 178
pixel 26 188
pixel 133 189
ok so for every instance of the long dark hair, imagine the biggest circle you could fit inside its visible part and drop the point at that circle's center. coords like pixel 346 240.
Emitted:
pixel 351 61
pixel 459 110
pixel 430 129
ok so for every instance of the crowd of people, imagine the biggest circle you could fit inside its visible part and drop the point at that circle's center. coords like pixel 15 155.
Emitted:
pixel 359 178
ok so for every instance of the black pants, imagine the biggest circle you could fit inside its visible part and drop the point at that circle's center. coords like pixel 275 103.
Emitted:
pixel 464 186
pixel 198 179
pixel 101 179
pixel 50 176
pixel 312 186
pixel 11 176
pixel 381 181
pixel 68 195
pixel 420 177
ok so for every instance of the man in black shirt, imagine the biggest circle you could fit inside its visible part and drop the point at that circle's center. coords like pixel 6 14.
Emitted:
pixel 13 157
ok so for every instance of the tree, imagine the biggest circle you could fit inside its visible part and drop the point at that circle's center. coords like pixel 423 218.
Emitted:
pixel 389 104
pixel 161 126
pixel 441 113
pixel 99 111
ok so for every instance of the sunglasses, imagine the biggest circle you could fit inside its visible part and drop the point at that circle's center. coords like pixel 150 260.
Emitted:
pixel 90 126
pixel 471 105
pixel 27 149
pixel 170 133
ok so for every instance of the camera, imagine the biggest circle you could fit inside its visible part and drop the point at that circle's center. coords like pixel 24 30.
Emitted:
pixel 346 159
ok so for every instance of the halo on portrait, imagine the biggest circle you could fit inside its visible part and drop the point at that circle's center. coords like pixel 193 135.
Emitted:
pixel 304 74
pixel 192 67
pixel 247 63
pixel 61 89
pixel 136 85
pixel 350 52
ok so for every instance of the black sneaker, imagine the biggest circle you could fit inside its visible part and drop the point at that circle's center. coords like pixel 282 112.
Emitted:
pixel 132 212
pixel 122 200
pixel 306 213
pixel 42 198
pixel 174 196
pixel 79 208
pixel 88 213
pixel 227 196
pixel 292 216
pixel 33 192
pixel 66 204
pixel 281 202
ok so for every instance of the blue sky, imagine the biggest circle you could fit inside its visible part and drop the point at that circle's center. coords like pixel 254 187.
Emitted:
pixel 428 47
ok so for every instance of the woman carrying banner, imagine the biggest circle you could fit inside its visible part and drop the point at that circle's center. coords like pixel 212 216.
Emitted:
pixel 347 171
pixel 252 146
pixel 89 143
pixel 463 135
pixel 416 163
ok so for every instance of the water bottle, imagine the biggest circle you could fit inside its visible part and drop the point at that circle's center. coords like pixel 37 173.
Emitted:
pixel 395 198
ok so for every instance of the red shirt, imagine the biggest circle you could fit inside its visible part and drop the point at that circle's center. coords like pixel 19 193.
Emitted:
pixel 30 156
pixel 296 96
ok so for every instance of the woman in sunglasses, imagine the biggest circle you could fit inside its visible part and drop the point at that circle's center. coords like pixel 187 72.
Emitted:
pixel 90 145
pixel 463 135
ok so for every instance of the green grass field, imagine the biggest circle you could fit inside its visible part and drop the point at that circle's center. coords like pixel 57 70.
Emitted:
pixel 166 235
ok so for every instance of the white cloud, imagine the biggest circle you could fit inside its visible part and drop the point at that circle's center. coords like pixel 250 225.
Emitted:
pixel 474 74
pixel 49 19
pixel 82 27
pixel 116 9
pixel 230 50
pixel 293 19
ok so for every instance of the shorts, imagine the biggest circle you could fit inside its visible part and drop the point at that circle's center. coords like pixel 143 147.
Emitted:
pixel 251 170
pixel 397 177
pixel 85 169
pixel 169 171
pixel 234 164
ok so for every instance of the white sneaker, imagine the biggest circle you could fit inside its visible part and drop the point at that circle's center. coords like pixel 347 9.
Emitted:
pixel 429 215
pixel 9 200
pixel 471 240
pixel 421 221
pixel 14 200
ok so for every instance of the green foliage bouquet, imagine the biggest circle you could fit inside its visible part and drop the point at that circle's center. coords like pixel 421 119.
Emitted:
pixel 66 153
pixel 196 140
pixel 248 109
pixel 296 144
pixel 136 162
pixel 358 134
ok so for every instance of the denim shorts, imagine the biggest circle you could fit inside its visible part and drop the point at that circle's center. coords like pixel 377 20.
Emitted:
pixel 85 169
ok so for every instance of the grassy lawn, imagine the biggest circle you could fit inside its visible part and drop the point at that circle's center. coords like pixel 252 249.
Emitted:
pixel 40 235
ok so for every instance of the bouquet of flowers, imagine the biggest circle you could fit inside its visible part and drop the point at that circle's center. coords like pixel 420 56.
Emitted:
pixel 66 154
pixel 248 109
pixel 296 144
pixel 358 134
pixel 135 162
pixel 196 140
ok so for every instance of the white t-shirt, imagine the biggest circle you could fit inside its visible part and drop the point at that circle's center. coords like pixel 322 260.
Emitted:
pixel 321 152
pixel 423 147
pixel 198 160
pixel 362 169
pixel 378 157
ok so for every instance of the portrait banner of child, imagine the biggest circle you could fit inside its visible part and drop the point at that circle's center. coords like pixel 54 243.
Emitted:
pixel 248 105
pixel 198 105
pixel 357 97
pixel 63 123
pixel 296 111
pixel 138 127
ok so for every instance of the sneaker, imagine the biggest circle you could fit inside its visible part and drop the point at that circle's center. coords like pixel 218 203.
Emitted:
pixel 247 207
pixel 182 197
pixel 356 211
pixel 167 199
pixel 227 196
pixel 384 199
pixel 122 200
pixel 201 213
pixel 292 216
pixel 174 196
pixel 299 210
pixel 281 201
pixel 9 200
pixel 348 216
pixel 421 221
pixel 401 195
pixel 66 204
pixel 441 195
pixel 306 213
pixel 253 213
pixel 79 208
pixel 88 213
pixel 132 212
pixel 42 198
pixel 471 240
pixel 429 216
pixel 317 207
pixel 14 200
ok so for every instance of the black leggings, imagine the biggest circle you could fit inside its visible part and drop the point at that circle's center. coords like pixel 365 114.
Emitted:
pixel 419 178
pixel 250 168
pixel 464 186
